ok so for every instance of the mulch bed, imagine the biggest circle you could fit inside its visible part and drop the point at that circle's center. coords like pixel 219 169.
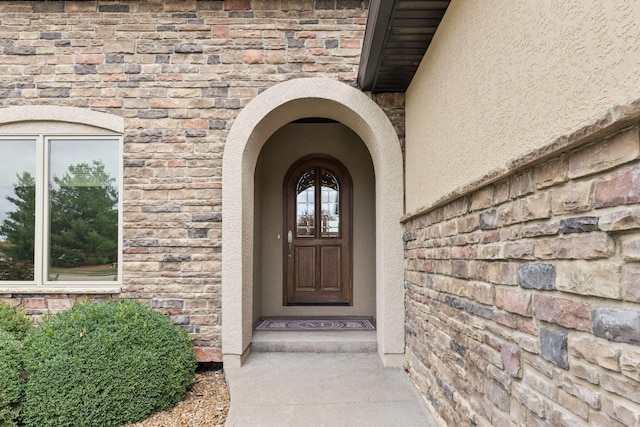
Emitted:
pixel 205 405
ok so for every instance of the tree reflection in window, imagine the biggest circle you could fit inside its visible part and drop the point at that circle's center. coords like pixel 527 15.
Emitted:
pixel 322 182
pixel 305 203
pixel 330 204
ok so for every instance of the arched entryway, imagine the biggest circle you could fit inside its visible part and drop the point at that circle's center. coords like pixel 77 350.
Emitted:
pixel 267 113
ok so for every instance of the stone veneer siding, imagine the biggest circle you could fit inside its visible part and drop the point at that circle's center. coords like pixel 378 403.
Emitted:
pixel 523 296
pixel 179 72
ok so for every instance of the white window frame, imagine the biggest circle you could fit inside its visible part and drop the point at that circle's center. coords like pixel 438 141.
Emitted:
pixel 41 283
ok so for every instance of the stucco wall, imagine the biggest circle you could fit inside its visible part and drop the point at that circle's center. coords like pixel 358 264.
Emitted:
pixel 503 78
pixel 290 143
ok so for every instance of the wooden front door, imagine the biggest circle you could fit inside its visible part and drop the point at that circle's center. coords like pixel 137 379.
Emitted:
pixel 317 235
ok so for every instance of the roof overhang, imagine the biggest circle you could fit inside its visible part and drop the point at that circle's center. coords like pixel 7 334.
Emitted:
pixel 396 38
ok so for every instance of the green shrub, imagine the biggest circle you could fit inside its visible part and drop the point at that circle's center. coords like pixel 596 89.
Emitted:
pixel 14 320
pixel 12 385
pixel 103 365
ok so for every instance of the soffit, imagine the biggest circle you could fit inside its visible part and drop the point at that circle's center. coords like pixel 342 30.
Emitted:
pixel 397 36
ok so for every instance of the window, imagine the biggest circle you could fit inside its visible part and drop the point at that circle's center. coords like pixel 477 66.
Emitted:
pixel 328 217
pixel 60 215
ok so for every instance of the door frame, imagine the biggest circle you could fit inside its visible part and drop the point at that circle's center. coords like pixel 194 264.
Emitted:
pixel 270 110
pixel 346 227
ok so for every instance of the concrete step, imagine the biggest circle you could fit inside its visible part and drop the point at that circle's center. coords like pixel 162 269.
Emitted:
pixel 314 341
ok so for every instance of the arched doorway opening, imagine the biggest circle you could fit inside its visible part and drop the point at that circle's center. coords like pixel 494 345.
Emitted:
pixel 266 114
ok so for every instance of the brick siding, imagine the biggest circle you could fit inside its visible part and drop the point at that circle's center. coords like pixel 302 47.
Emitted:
pixel 179 72
pixel 523 297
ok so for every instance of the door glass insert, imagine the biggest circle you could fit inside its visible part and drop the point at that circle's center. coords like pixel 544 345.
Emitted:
pixel 330 204
pixel 306 204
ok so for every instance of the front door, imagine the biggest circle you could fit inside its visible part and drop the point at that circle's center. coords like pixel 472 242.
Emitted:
pixel 318 220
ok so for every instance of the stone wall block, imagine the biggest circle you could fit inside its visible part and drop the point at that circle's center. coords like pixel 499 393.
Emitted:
pixel 519 250
pixel 606 154
pixel 595 350
pixel 503 273
pixel 600 419
pixel 20 50
pixel 631 282
pixel 527 326
pixel 564 312
pixel 48 7
pixel 521 184
pixel 558 416
pixel 617 325
pixel 509 213
pixel 620 220
pixel 189 48
pixel 579 224
pixel 489 220
pixel 620 188
pixel 621 410
pixel 513 300
pixel 630 247
pixel 551 172
pixel 597 278
pixel 60 303
pixel 121 46
pixel 482 292
pixel 53 93
pixel 537 206
pixel 92 59
pixel 586 392
pixel 583 370
pixel 537 229
pixel 537 276
pixel 499 376
pixel 620 385
pixel 34 303
pixel 487 353
pixel 573 404
pixel 167 303
pixel 468 306
pixel 482 199
pixel 501 191
pixel 593 245
pixel 532 380
pixel 176 257
pixel 553 347
pixel 511 358
pixel 141 242
pixel 532 400
pixel 572 198
pixel 497 395
pixel 630 363
pixel 491 251
pixel 486 237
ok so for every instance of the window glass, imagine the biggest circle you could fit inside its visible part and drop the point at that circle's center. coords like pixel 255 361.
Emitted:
pixel 305 204
pixel 83 177
pixel 17 209
pixel 330 197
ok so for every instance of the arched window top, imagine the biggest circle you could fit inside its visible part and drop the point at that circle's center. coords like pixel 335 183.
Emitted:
pixel 59 118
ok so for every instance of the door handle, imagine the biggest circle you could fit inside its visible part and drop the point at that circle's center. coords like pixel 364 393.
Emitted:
pixel 289 241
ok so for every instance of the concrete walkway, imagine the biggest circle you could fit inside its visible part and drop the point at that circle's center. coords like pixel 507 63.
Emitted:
pixel 322 389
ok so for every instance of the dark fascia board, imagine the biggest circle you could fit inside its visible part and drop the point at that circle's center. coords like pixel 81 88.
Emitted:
pixel 378 20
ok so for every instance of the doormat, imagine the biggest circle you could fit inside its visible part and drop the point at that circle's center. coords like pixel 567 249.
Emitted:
pixel 337 324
